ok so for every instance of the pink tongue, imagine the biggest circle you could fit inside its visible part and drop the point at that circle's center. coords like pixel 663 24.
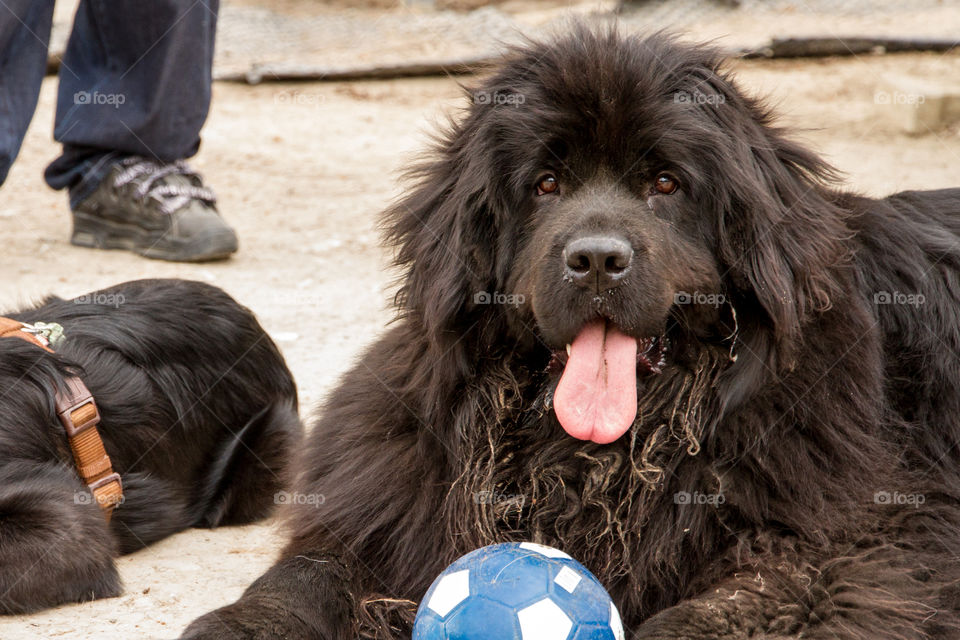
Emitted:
pixel 596 398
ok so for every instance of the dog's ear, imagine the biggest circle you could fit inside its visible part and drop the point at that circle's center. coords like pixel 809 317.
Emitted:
pixel 780 234
pixel 444 231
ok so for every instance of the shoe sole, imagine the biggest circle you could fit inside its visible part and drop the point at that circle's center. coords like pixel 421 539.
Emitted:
pixel 96 233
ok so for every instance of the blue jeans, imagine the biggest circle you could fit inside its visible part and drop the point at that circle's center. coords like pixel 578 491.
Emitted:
pixel 135 80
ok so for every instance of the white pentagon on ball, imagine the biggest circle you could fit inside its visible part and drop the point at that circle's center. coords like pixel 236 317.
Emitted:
pixel 452 589
pixel 568 579
pixel 550 552
pixel 615 623
pixel 544 620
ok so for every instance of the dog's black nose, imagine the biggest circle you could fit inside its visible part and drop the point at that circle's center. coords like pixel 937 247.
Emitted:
pixel 597 262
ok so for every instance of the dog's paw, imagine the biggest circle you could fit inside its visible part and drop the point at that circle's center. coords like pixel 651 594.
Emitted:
pixel 255 619
pixel 225 623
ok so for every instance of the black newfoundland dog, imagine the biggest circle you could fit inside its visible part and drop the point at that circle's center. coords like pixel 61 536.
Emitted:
pixel 641 324
pixel 198 415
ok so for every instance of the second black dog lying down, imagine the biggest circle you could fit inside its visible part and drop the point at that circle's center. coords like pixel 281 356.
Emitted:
pixel 199 414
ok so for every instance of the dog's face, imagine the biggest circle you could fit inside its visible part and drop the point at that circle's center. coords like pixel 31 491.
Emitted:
pixel 617 257
pixel 618 265
pixel 601 248
pixel 626 197
pixel 615 235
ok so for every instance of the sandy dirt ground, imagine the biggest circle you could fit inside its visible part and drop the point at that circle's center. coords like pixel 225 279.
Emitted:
pixel 302 171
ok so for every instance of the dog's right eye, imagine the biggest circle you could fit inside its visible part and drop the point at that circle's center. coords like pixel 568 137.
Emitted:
pixel 548 184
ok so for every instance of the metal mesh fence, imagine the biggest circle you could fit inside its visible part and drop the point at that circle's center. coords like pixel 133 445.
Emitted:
pixel 259 39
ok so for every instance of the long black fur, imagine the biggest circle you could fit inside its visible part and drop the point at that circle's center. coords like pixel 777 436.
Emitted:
pixel 826 418
pixel 198 415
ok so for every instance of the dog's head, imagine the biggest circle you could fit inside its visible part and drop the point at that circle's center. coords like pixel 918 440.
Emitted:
pixel 619 203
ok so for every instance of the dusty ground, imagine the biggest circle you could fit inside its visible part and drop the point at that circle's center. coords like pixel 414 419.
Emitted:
pixel 302 171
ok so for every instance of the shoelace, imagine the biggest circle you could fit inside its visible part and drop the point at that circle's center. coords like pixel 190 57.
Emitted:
pixel 147 174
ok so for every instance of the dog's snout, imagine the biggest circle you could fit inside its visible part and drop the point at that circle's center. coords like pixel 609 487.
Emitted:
pixel 597 262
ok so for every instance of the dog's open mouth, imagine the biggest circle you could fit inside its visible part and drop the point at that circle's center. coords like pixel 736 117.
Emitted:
pixel 596 398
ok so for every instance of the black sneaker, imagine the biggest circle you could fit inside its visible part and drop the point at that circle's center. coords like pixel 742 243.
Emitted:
pixel 160 211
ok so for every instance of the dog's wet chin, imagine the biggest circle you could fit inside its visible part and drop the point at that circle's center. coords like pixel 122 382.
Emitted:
pixel 596 397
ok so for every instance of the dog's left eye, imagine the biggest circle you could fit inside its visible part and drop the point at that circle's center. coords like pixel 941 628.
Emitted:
pixel 548 184
pixel 665 183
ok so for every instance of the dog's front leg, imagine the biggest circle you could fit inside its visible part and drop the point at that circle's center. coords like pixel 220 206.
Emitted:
pixel 729 613
pixel 304 596
pixel 866 593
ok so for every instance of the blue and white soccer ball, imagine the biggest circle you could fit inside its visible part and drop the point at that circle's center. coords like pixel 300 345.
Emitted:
pixel 517 591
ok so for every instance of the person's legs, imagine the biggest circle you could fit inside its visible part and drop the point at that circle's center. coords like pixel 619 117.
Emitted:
pixel 135 81
pixel 134 94
pixel 24 34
